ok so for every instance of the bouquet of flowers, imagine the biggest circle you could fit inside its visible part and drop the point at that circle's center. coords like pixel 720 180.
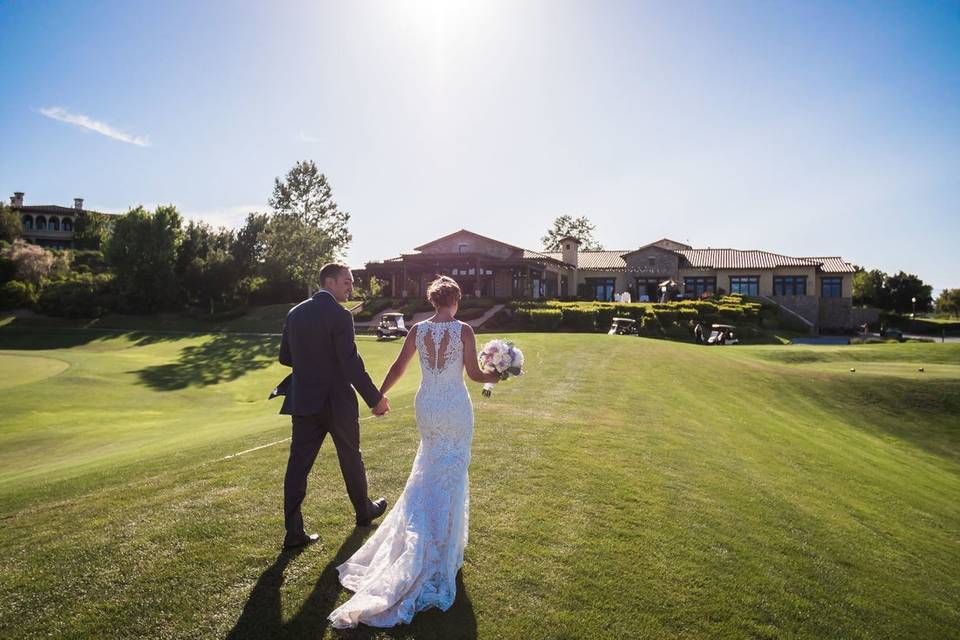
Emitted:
pixel 501 357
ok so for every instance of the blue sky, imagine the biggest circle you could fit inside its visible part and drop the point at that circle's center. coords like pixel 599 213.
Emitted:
pixel 804 128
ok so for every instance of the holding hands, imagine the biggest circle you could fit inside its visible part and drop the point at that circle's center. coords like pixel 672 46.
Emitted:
pixel 382 408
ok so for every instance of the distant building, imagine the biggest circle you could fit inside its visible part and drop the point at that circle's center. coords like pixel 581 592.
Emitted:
pixel 818 289
pixel 48 225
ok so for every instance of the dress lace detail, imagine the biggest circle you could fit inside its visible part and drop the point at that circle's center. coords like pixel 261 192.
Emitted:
pixel 410 563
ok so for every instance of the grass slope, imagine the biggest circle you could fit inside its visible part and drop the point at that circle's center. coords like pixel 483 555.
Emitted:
pixel 623 488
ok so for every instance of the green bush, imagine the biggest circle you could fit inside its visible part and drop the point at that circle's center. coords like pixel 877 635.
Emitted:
pixel 82 295
pixel 16 295
pixel 545 319
pixel 579 318
pixel 90 260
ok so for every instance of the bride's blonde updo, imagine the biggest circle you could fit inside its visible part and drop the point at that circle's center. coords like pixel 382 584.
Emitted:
pixel 443 292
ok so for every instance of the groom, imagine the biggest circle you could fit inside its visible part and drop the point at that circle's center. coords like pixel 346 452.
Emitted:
pixel 318 342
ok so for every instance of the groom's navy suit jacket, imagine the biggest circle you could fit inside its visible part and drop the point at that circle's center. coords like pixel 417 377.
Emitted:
pixel 318 342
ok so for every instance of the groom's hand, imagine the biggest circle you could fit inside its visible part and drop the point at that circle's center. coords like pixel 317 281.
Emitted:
pixel 382 407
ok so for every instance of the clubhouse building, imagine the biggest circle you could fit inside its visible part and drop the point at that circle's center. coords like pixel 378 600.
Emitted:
pixel 48 225
pixel 815 289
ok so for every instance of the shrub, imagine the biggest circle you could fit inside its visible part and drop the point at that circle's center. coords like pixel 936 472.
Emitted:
pixel 17 295
pixel 545 319
pixel 667 314
pixel 730 314
pixel 579 318
pixel 82 295
pixel 90 260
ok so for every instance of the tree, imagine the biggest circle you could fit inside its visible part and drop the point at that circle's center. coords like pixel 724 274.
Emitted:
pixel 213 279
pixel 92 229
pixel 902 288
pixel 249 247
pixel 580 228
pixel 206 269
pixel 10 225
pixel 949 301
pixel 869 289
pixel 142 251
pixel 305 195
pixel 295 250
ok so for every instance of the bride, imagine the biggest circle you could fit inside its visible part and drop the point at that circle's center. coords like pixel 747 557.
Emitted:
pixel 410 563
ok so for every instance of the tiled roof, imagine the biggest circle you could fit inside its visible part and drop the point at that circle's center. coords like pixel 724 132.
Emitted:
pixel 48 208
pixel 737 259
pixel 833 264
pixel 540 256
pixel 597 260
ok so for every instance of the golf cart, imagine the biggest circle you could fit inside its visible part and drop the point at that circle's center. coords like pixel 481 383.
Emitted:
pixel 722 334
pixel 391 326
pixel 623 327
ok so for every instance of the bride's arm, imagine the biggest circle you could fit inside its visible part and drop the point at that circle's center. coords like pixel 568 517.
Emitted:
pixel 470 357
pixel 403 359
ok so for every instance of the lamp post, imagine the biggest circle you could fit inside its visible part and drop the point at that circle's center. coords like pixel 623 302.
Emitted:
pixel 913 300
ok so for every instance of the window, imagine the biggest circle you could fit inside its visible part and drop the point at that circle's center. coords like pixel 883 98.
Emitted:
pixel 518 281
pixel 566 247
pixel 41 223
pixel 745 285
pixel 28 222
pixel 652 261
pixel 602 288
pixel 831 287
pixel 463 247
pixel 790 285
pixel 697 286
pixel 648 289
pixel 67 224
pixel 54 224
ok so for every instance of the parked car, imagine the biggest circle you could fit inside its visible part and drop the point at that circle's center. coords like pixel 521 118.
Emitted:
pixel 722 334
pixel 623 327
pixel 391 326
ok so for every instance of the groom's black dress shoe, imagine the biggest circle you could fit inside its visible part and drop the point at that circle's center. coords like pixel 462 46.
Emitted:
pixel 374 511
pixel 293 542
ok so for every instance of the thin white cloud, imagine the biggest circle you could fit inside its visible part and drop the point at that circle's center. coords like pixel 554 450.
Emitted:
pixel 304 137
pixel 89 124
pixel 230 216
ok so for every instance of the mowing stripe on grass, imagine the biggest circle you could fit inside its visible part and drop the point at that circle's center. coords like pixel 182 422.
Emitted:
pixel 270 444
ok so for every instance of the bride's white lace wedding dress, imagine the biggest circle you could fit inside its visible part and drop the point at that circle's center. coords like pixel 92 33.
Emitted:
pixel 410 563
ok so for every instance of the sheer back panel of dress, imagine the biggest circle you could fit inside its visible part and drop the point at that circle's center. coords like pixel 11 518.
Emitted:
pixel 439 346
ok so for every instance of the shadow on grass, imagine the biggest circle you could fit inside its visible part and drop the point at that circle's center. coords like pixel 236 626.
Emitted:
pixel 262 615
pixel 225 357
pixel 30 335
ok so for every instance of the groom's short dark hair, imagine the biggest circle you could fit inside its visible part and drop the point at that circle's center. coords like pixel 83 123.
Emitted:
pixel 332 270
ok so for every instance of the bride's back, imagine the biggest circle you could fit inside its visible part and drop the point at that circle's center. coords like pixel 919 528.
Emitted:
pixel 440 348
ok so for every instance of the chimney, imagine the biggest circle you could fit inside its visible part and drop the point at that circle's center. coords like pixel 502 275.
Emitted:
pixel 17 199
pixel 569 247
pixel 78 204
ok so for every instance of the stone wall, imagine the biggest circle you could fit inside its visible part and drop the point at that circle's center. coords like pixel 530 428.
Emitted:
pixel 665 264
pixel 806 306
pixel 836 314
pixel 860 315
pixel 473 245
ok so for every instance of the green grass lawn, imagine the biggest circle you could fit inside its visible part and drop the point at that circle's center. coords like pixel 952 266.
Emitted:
pixel 624 488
